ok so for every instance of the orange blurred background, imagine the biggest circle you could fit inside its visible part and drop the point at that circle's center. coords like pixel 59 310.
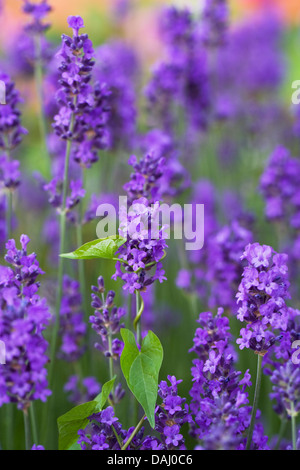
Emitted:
pixel 137 27
pixel 289 9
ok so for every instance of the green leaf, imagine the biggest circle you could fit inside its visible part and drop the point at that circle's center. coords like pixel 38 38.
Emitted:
pixel 101 248
pixel 77 418
pixel 70 423
pixel 141 369
pixel 102 398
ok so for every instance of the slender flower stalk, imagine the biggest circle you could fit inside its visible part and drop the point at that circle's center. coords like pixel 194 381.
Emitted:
pixel 294 427
pixel 33 423
pixel 282 429
pixel 35 31
pixel 26 430
pixel 255 402
pixel 61 260
pixel 134 432
pixel 38 74
pixel 9 212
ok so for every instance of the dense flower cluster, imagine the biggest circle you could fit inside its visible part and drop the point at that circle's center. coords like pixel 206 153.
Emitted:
pixel 215 22
pixel 147 172
pixel 106 320
pixel 54 190
pixel 81 391
pixel 23 318
pixel 170 417
pixel 182 80
pixel 105 432
pixel 279 185
pixel 38 12
pixel 117 66
pixel 214 272
pixel 11 130
pixel 84 108
pixel 72 325
pixel 282 365
pixel 10 176
pixel 285 391
pixel 260 75
pixel 223 264
pixel 262 298
pixel 141 255
pixel 219 397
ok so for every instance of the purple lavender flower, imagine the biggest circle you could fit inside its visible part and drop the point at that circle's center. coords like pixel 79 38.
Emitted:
pixel 10 175
pixel 84 108
pixel 100 435
pixel 37 11
pixel 179 87
pixel 215 22
pixel 11 130
pixel 219 397
pixel 176 27
pixel 72 325
pixel 279 185
pixel 24 317
pixel 224 269
pixel 37 447
pixel 81 391
pixel 285 391
pixel 262 298
pixel 171 415
pixel 261 37
pixel 106 320
pixel 142 250
pixel 54 188
pixel 117 66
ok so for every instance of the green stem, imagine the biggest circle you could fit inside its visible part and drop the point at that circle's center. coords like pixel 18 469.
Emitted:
pixel 117 437
pixel 61 260
pixel 38 74
pixel 137 326
pixel 255 402
pixel 59 279
pixel 9 425
pixel 134 432
pixel 281 433
pixel 81 274
pixel 8 214
pixel 9 198
pixel 33 424
pixel 111 359
pixel 293 423
pixel 26 430
pixel 193 304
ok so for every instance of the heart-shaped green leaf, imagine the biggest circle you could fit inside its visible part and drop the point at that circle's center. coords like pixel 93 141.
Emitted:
pixel 101 248
pixel 77 418
pixel 141 369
